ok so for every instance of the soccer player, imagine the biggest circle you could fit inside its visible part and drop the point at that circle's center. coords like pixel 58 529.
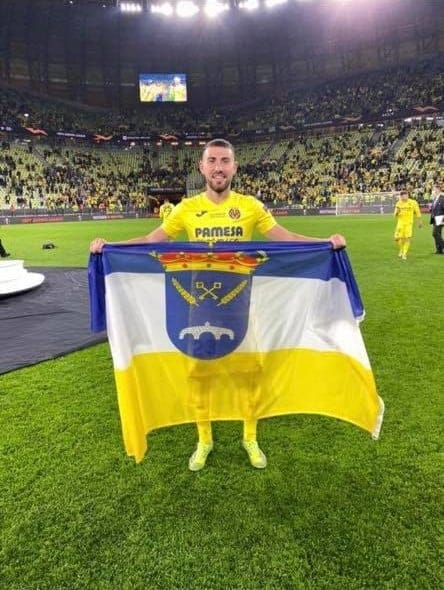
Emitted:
pixel 406 210
pixel 220 214
pixel 177 91
pixel 165 209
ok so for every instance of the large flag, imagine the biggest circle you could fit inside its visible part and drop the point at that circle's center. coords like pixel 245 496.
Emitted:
pixel 230 332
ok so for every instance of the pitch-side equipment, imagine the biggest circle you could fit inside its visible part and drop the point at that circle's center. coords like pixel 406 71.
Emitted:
pixel 360 203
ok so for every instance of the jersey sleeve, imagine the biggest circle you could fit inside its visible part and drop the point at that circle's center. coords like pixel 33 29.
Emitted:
pixel 173 223
pixel 265 220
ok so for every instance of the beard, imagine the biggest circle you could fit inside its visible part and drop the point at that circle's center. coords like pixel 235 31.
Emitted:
pixel 219 186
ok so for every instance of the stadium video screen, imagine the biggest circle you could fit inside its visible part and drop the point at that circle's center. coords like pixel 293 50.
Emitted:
pixel 163 87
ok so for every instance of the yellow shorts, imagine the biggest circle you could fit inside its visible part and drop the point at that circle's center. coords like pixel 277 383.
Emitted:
pixel 403 231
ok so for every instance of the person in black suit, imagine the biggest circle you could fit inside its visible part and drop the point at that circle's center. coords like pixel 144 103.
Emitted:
pixel 437 209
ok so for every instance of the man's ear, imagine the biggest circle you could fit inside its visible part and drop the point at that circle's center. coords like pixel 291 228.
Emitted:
pixel 200 166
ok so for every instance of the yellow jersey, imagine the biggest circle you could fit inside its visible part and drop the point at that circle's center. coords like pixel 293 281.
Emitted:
pixel 405 211
pixel 233 220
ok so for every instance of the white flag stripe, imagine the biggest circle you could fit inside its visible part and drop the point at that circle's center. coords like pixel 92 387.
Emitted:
pixel 323 322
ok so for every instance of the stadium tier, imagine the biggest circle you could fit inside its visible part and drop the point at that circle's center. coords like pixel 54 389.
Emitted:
pixel 305 172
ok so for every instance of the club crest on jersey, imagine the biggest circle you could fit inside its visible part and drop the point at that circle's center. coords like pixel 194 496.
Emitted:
pixel 234 213
pixel 208 299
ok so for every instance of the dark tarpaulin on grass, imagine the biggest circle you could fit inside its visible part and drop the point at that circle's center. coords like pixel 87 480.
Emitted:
pixel 49 321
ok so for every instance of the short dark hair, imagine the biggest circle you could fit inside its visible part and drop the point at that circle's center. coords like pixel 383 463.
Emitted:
pixel 404 192
pixel 219 143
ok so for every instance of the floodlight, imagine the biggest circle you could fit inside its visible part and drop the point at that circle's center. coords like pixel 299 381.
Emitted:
pixel 166 9
pixel 186 8
pixel 249 4
pixel 213 8
pixel 133 7
pixel 273 3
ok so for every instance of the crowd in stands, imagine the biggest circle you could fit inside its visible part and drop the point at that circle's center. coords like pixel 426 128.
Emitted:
pixel 83 179
pixel 313 171
pixel 379 93
pixel 306 169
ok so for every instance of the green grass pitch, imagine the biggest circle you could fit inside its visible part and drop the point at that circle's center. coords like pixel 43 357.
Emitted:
pixel 333 510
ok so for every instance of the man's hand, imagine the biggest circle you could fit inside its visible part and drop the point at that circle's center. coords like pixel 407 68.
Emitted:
pixel 337 241
pixel 96 245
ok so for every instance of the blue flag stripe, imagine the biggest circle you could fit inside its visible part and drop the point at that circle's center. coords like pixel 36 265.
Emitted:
pixel 311 260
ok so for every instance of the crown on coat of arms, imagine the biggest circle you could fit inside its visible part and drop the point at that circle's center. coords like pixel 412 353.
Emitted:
pixel 238 262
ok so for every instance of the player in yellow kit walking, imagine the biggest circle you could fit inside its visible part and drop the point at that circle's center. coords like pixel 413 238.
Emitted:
pixel 406 210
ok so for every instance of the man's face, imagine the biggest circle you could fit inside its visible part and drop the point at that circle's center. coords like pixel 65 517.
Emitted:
pixel 404 196
pixel 218 168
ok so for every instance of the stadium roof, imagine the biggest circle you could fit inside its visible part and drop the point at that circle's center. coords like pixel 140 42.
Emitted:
pixel 91 51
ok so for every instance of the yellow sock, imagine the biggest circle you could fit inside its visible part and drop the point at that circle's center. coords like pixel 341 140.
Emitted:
pixel 250 428
pixel 406 247
pixel 205 432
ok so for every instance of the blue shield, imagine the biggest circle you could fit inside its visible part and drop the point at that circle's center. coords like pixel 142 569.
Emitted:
pixel 207 311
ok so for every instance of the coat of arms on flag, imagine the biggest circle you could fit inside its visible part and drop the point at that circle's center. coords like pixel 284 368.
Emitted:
pixel 208 299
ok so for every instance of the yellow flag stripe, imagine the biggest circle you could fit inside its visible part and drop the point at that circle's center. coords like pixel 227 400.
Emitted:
pixel 164 389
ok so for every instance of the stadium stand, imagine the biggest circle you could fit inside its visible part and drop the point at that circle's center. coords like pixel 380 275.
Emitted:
pixel 367 144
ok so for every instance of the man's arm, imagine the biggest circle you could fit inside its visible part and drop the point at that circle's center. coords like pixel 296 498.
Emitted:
pixel 157 235
pixel 280 234
pixel 418 214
